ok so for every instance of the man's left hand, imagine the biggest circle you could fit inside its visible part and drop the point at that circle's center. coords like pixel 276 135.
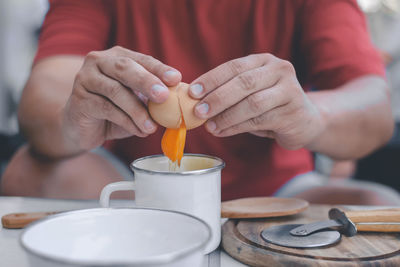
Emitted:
pixel 259 94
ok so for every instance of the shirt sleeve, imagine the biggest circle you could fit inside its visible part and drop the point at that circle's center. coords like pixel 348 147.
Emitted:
pixel 335 44
pixel 74 27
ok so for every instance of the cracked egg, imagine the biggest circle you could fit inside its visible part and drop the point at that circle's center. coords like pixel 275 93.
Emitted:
pixel 179 106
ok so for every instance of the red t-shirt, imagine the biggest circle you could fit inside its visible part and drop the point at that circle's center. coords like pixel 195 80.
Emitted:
pixel 326 41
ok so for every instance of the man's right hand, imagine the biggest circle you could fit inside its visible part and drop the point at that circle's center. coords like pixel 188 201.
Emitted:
pixel 109 95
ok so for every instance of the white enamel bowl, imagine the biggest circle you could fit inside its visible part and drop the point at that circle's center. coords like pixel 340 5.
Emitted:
pixel 117 237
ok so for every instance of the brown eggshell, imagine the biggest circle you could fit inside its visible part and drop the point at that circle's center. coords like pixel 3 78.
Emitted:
pixel 168 114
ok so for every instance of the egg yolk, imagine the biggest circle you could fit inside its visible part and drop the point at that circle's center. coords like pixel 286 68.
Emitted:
pixel 173 143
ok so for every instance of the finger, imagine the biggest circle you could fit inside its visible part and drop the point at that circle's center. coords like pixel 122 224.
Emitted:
pixel 142 97
pixel 252 106
pixel 167 74
pixel 116 132
pixel 103 109
pixel 121 97
pixel 131 74
pixel 225 72
pixel 264 122
pixel 236 90
pixel 135 76
pixel 268 134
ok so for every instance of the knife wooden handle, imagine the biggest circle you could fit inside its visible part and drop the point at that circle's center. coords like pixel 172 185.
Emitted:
pixel 365 216
pixel 368 227
pixel 20 220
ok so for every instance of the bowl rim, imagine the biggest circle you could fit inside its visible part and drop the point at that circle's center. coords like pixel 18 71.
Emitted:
pixel 159 259
pixel 218 167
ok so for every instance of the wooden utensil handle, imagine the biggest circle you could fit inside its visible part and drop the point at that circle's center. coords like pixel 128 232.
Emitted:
pixel 20 220
pixel 378 227
pixel 386 215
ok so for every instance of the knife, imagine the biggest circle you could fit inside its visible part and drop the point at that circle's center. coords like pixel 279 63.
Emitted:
pixel 349 222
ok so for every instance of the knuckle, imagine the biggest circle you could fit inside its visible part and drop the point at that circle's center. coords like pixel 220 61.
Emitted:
pixel 93 55
pixel 247 81
pixel 224 119
pixel 135 112
pixel 217 99
pixel 144 80
pixel 286 66
pixel 79 77
pixel 237 65
pixel 290 89
pixel 262 58
pixel 125 120
pixel 255 122
pixel 268 56
pixel 122 63
pixel 114 90
pixel 153 64
pixel 116 48
pixel 212 80
pixel 105 106
pixel 78 92
pixel 147 60
pixel 255 102
pixel 83 80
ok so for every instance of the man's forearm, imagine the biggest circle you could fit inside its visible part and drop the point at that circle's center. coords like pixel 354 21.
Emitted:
pixel 40 110
pixel 357 118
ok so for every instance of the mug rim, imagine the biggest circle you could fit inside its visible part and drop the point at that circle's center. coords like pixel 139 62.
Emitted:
pixel 218 167
pixel 160 259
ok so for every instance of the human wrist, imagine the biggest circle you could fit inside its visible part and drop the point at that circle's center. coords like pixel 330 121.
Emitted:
pixel 70 137
pixel 320 124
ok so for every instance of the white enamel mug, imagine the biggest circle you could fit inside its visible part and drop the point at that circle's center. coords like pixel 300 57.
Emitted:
pixel 195 189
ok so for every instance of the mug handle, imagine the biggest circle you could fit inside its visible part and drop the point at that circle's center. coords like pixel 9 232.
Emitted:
pixel 110 188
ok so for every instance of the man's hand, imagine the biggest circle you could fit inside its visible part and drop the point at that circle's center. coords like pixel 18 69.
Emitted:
pixel 259 94
pixel 109 96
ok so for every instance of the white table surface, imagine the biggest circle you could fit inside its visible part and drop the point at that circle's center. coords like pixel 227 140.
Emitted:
pixel 12 254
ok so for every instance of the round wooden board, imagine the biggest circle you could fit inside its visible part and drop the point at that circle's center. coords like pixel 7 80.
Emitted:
pixel 262 207
pixel 241 239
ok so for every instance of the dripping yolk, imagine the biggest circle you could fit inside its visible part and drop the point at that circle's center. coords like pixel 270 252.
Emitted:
pixel 173 142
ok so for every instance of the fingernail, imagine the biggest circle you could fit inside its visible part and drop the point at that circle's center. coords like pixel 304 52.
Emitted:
pixel 196 89
pixel 158 89
pixel 211 126
pixel 149 126
pixel 202 108
pixel 170 75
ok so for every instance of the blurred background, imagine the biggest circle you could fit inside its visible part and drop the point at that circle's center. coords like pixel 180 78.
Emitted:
pixel 20 22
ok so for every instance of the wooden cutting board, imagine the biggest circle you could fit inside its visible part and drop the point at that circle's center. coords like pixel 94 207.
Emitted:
pixel 241 239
